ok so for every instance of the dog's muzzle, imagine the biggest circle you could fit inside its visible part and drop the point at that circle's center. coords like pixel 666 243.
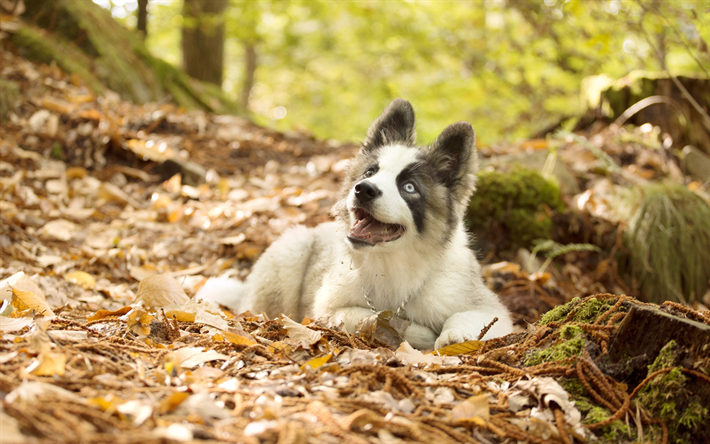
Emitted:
pixel 366 192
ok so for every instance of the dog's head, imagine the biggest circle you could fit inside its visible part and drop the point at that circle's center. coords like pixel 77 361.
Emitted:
pixel 395 190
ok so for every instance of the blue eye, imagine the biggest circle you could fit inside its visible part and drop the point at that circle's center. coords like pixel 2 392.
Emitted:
pixel 409 187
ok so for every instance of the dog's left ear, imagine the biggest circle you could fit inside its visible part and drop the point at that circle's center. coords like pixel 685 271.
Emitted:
pixel 395 125
pixel 454 156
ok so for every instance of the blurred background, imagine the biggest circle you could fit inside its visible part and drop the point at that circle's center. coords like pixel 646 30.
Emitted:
pixel 512 68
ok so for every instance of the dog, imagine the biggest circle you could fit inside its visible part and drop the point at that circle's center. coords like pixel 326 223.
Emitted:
pixel 398 243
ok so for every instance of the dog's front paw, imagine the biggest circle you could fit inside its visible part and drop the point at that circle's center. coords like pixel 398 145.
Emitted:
pixel 451 336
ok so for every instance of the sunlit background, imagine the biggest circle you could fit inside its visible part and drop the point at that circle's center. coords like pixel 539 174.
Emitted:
pixel 510 68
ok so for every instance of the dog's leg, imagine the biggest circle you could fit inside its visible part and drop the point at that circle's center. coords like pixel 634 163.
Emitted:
pixel 420 337
pixel 350 317
pixel 467 325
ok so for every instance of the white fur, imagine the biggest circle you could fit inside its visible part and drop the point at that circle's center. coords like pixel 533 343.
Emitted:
pixel 434 275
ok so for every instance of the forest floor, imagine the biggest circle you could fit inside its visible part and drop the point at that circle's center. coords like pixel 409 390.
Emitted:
pixel 91 354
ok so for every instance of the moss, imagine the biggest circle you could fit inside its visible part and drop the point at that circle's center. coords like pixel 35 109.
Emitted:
pixel 559 313
pixel 520 202
pixel 34 44
pixel 668 238
pixel 9 93
pixel 667 397
pixel 613 433
pixel 573 340
pixel 592 309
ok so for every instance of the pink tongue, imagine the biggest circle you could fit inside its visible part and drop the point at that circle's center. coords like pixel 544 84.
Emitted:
pixel 373 231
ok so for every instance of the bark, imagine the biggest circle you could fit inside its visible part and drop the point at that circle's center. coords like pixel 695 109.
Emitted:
pixel 203 39
pixel 85 40
pixel 143 18
pixel 249 69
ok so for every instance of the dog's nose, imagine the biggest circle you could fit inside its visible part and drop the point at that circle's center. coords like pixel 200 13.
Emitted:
pixel 365 191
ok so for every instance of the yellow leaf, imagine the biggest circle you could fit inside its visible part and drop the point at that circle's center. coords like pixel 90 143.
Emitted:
pixel 101 314
pixel 26 300
pixel 238 339
pixel 172 402
pixel 108 403
pixel 81 278
pixel 317 363
pixel 160 290
pixel 473 407
pixel 139 321
pixel 464 348
pixel 180 315
pixel 279 346
pixel 48 364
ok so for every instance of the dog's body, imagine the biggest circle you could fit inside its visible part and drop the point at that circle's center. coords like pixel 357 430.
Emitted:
pixel 398 243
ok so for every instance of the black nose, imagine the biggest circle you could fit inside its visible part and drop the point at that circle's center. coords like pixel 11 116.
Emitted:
pixel 365 191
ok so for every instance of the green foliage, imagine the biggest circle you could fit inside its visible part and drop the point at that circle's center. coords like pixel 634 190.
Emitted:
pixel 572 342
pixel 520 202
pixel 558 313
pixel 510 68
pixel 667 397
pixel 9 93
pixel 668 238
pixel 552 249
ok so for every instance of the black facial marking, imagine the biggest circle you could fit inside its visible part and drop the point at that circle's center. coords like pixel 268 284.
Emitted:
pixel 414 173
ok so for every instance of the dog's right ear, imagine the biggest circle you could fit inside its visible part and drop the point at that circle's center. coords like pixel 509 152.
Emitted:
pixel 395 125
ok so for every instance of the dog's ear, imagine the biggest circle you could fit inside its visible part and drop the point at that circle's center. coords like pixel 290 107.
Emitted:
pixel 395 125
pixel 455 159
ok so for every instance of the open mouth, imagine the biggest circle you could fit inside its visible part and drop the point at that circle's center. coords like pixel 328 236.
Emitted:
pixel 369 231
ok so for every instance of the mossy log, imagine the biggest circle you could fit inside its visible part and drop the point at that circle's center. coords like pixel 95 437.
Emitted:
pixel 610 98
pixel 83 39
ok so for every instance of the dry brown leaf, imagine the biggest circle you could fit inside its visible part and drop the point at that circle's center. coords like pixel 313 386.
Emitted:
pixel 475 406
pixel 138 320
pixel 180 315
pixel 48 364
pixel 160 290
pixel 317 363
pixel 191 357
pixel 26 300
pixel 106 313
pixel 300 333
pixel 81 278
pixel 172 402
pixel 235 338
pixel 464 348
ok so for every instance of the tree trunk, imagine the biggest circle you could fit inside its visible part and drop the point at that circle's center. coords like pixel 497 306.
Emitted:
pixel 143 18
pixel 249 69
pixel 203 39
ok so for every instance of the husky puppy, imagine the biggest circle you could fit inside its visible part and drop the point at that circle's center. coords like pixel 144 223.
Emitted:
pixel 398 243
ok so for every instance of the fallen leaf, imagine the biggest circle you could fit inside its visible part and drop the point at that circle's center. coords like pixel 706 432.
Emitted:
pixel 48 364
pixel 235 338
pixel 384 326
pixel 316 363
pixel 81 278
pixel 101 314
pixel 180 315
pixel 408 355
pixel 138 320
pixel 14 324
pixel 475 406
pixel 191 357
pixel 26 300
pixel 172 402
pixel 300 333
pixel 60 229
pixel 463 348
pixel 160 290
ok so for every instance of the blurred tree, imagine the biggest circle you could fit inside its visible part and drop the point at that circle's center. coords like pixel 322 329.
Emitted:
pixel 510 67
pixel 142 13
pixel 203 39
